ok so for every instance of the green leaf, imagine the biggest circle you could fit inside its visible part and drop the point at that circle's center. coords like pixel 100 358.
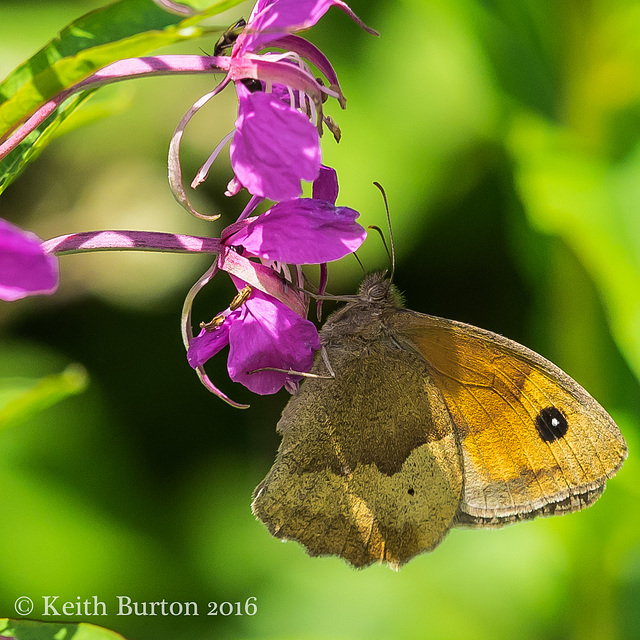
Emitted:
pixel 121 30
pixel 30 148
pixel 36 630
pixel 125 29
pixel 21 398
pixel 592 204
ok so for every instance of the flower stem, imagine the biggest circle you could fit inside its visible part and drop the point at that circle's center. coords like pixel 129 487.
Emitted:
pixel 115 240
pixel 115 72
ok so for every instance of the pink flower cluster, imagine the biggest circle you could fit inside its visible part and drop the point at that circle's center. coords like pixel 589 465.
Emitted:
pixel 275 146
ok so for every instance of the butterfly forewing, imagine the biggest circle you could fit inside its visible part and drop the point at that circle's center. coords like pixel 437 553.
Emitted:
pixel 531 437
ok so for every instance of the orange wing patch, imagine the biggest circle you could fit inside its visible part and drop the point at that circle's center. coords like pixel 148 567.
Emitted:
pixel 530 436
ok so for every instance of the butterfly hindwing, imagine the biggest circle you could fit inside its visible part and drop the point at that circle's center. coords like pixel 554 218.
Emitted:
pixel 355 476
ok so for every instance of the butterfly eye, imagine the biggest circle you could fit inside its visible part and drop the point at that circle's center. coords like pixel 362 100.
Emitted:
pixel 378 292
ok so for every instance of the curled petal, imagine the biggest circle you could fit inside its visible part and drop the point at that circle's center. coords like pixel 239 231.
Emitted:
pixel 302 231
pixel 204 378
pixel 209 342
pixel 26 269
pixel 175 7
pixel 234 187
pixel 175 170
pixel 274 147
pixel 309 51
pixel 270 335
pixel 185 319
pixel 271 19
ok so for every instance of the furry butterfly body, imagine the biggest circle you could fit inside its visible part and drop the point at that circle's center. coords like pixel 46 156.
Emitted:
pixel 429 424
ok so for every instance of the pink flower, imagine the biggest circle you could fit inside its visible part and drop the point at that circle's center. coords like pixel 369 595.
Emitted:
pixel 26 269
pixel 271 19
pixel 300 231
pixel 275 145
pixel 264 331
pixel 276 142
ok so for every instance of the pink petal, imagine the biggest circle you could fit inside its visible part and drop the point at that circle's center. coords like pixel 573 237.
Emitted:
pixel 310 52
pixel 26 269
pixel 325 186
pixel 274 147
pixel 270 335
pixel 271 19
pixel 207 343
pixel 301 231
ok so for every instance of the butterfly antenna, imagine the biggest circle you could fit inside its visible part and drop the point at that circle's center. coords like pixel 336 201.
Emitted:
pixel 393 251
pixel 355 255
pixel 384 242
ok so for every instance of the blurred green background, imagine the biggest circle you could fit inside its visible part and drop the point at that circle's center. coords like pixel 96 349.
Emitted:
pixel 507 136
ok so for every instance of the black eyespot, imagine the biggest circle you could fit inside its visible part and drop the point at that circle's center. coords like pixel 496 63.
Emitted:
pixel 238 248
pixel 551 424
pixel 410 491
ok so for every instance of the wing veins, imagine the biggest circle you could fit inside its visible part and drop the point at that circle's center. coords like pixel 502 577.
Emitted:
pixel 508 381
pixel 568 444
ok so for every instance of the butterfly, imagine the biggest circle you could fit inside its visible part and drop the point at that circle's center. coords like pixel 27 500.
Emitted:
pixel 427 424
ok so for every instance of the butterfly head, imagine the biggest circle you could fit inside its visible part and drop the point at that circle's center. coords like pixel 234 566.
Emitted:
pixel 377 290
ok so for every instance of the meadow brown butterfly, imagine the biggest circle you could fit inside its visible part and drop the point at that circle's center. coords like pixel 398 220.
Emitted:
pixel 428 424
